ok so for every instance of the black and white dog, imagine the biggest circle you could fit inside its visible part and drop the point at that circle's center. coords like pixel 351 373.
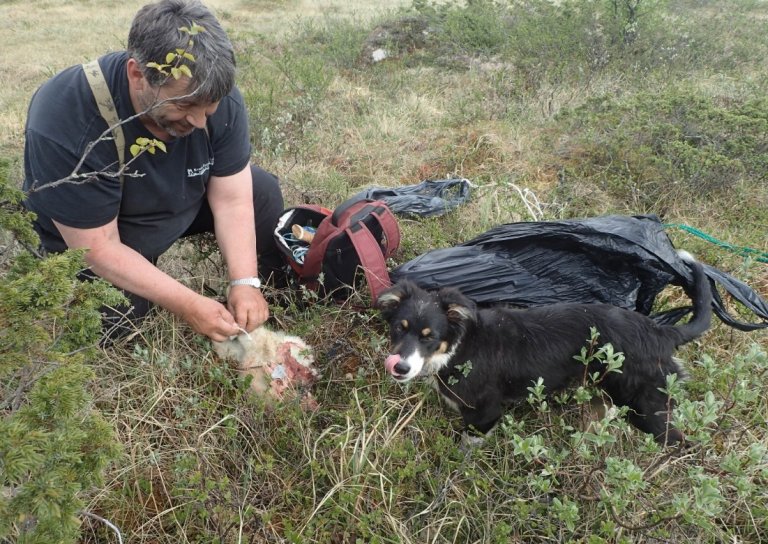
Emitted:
pixel 438 333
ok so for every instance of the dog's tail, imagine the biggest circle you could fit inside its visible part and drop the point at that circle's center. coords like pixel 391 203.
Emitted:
pixel 701 296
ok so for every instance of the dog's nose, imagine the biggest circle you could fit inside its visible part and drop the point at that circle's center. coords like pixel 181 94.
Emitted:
pixel 402 369
pixel 396 366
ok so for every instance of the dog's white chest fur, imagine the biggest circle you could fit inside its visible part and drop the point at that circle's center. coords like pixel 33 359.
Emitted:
pixel 451 403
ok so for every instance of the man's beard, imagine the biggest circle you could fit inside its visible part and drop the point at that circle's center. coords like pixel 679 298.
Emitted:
pixel 176 129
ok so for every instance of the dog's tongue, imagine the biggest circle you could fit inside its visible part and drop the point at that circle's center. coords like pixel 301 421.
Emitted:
pixel 390 363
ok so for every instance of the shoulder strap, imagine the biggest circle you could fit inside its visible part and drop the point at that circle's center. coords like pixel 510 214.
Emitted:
pixel 351 211
pixel 313 260
pixel 389 226
pixel 107 108
pixel 379 211
pixel 371 259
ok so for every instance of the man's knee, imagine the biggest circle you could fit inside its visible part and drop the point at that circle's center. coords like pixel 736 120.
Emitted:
pixel 123 319
pixel 268 201
pixel 268 204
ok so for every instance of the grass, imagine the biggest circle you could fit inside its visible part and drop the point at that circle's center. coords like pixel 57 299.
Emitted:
pixel 553 112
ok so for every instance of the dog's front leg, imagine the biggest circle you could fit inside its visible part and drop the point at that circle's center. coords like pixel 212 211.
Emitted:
pixel 479 421
pixel 472 437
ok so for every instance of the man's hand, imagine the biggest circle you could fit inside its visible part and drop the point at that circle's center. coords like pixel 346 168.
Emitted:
pixel 211 318
pixel 247 306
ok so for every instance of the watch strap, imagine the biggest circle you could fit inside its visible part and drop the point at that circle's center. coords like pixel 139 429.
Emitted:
pixel 253 282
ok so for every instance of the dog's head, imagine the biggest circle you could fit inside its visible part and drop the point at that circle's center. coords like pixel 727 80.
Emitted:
pixel 425 328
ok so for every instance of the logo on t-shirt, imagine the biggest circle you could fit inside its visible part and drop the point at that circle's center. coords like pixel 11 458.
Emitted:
pixel 199 171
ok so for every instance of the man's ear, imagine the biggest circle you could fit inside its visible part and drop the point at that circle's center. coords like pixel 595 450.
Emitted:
pixel 136 79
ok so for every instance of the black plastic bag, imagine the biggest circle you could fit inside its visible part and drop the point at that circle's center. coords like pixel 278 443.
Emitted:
pixel 426 199
pixel 620 260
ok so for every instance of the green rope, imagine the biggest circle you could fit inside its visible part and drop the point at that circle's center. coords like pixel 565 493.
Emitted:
pixel 740 250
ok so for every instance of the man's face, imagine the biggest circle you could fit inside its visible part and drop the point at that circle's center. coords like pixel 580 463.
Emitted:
pixel 174 118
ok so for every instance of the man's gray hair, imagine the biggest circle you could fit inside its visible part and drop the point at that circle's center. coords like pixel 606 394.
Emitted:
pixel 155 33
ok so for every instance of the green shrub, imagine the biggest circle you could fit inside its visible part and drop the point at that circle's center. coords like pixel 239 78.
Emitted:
pixel 652 150
pixel 54 446
pixel 548 42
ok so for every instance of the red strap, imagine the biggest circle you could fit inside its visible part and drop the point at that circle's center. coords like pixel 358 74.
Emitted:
pixel 368 249
pixel 383 215
pixel 313 260
pixel 390 229
pixel 371 259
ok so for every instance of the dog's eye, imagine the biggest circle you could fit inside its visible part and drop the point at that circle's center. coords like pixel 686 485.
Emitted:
pixel 426 335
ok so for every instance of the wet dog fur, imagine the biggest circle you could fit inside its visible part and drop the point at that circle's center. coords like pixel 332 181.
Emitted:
pixel 436 333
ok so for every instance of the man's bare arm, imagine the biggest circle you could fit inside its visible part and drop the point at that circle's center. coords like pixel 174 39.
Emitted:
pixel 231 201
pixel 125 268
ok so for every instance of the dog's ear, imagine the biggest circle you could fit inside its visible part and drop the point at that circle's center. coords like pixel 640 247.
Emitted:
pixel 458 307
pixel 390 300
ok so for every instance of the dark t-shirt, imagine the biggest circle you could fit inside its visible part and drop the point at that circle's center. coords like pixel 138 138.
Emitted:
pixel 153 209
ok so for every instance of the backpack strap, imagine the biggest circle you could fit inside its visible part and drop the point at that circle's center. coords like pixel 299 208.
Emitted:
pixel 313 260
pixel 371 260
pixel 350 213
pixel 107 108
pixel 389 227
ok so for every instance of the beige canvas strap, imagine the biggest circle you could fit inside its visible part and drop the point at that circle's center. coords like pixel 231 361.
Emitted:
pixel 106 107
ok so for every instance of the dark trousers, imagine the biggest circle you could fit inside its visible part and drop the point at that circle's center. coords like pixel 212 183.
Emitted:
pixel 268 205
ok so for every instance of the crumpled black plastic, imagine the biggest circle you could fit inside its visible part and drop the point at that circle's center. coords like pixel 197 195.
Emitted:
pixel 426 199
pixel 621 260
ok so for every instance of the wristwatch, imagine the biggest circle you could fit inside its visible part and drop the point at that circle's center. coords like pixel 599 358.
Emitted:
pixel 253 282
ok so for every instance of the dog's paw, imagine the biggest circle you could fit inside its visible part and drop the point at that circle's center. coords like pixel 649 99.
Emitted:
pixel 470 442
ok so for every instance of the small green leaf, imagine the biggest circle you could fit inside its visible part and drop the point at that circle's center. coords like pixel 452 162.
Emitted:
pixel 161 145
pixel 170 57
pixel 159 67
pixel 184 69
pixel 135 149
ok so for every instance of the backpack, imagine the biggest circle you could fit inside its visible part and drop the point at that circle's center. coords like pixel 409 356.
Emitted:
pixel 326 250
